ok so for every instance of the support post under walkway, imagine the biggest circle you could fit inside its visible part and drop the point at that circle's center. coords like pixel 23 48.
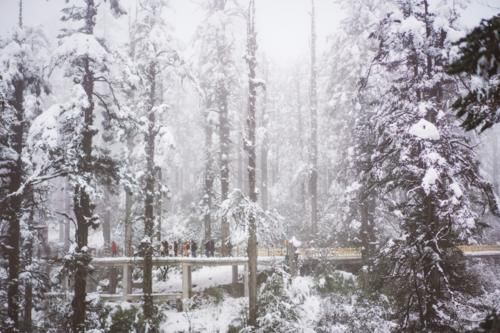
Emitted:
pixel 125 282
pixel 234 279
pixel 187 287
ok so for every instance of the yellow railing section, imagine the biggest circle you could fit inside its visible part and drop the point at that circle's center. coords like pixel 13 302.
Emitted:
pixel 304 252
pixel 329 252
pixel 479 248
pixel 342 251
pixel 345 251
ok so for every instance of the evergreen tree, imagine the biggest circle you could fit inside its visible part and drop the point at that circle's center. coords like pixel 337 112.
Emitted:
pixel 250 146
pixel 86 61
pixel 428 165
pixel 354 92
pixel 21 86
pixel 313 144
pixel 153 59
pixel 479 61
pixel 217 80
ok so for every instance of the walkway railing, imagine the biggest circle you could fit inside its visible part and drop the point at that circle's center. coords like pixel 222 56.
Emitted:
pixel 265 256
pixel 479 248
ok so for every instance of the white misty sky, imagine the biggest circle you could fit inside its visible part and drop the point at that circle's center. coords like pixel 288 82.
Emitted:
pixel 283 25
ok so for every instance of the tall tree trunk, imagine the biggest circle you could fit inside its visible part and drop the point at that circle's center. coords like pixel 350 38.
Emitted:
pixel 127 246
pixel 313 152
pixel 129 231
pixel 242 161
pixel 494 173
pixel 240 157
pixel 28 286
pixel 149 198
pixel 224 132
pixel 82 205
pixel 300 132
pixel 250 147
pixel 106 221
pixel 367 230
pixel 67 210
pixel 209 178
pixel 264 151
pixel 15 202
pixel 159 205
pixel 14 209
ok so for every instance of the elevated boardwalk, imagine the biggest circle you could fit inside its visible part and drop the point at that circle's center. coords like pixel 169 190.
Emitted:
pixel 266 256
pixel 164 261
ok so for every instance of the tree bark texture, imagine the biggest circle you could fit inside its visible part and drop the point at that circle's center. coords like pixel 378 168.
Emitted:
pixel 251 150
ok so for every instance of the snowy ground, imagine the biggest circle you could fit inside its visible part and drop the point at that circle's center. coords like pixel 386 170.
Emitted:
pixel 212 317
pixel 207 318
pixel 202 278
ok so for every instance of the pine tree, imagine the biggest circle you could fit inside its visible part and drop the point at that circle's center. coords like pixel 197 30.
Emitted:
pixel 153 59
pixel 250 146
pixel 479 60
pixel 313 144
pixel 21 85
pixel 87 62
pixel 428 166
pixel 353 99
pixel 217 80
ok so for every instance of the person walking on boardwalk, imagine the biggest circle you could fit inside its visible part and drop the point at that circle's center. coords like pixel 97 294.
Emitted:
pixel 212 248
pixel 114 249
pixel 176 248
pixel 229 248
pixel 207 248
pixel 185 249
pixel 194 247
pixel 164 250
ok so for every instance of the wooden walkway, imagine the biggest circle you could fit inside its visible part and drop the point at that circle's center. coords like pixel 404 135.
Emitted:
pixel 266 256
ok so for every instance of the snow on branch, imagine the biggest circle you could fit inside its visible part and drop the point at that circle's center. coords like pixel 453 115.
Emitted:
pixel 240 209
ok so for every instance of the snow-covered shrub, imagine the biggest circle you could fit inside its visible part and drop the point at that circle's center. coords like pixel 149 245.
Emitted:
pixel 334 281
pixel 277 312
pixel 216 294
pixel 56 318
pixel 123 318
pixel 491 324
pixel 353 314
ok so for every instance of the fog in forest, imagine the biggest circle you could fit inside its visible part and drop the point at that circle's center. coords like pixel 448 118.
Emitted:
pixel 249 166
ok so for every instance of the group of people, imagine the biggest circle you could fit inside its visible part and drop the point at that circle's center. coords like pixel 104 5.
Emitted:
pixel 188 248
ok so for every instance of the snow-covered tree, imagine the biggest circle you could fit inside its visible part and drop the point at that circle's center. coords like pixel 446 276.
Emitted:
pixel 250 147
pixel 354 92
pixel 153 58
pixel 478 58
pixel 217 80
pixel 425 160
pixel 85 59
pixel 313 144
pixel 21 86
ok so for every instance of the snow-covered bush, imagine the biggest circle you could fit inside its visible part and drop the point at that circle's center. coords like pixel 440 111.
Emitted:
pixel 276 310
pixel 491 324
pixel 123 318
pixel 334 281
pixel 353 314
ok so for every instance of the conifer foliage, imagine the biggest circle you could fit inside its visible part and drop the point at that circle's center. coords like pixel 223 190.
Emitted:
pixel 479 61
pixel 22 86
pixel 86 61
pixel 429 166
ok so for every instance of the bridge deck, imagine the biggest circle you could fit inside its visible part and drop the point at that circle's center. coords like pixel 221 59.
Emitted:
pixel 266 256
pixel 164 261
pixel 340 255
